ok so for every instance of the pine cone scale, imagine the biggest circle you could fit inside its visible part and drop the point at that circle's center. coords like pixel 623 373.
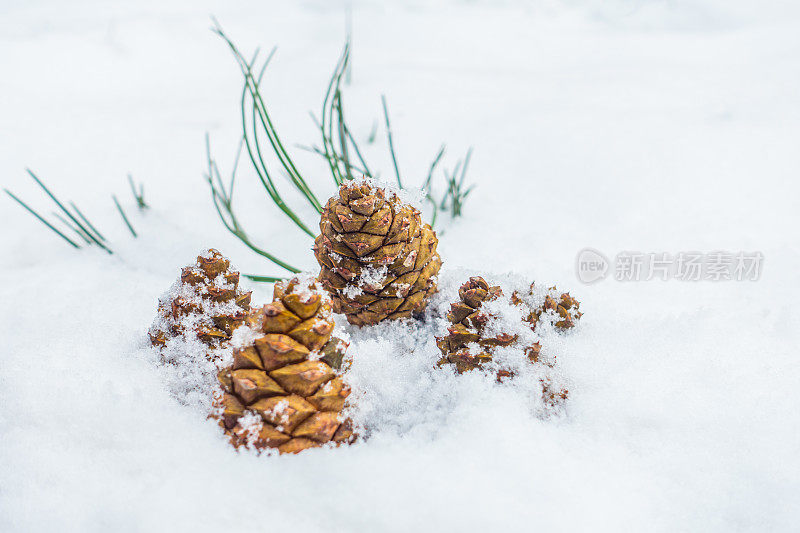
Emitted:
pixel 277 350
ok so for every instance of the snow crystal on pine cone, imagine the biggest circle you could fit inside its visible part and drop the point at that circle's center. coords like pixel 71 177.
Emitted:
pixel 412 196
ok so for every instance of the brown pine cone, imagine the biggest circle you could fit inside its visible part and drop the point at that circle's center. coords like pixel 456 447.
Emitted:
pixel 377 259
pixel 206 302
pixel 468 321
pixel 284 390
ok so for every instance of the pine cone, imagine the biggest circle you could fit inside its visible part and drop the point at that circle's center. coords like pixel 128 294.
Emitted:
pixel 377 259
pixel 206 302
pixel 284 390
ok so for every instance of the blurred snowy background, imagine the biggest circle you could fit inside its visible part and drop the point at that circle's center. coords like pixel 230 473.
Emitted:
pixel 621 125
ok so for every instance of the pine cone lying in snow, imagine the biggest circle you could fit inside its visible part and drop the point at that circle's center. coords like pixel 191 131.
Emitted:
pixel 206 302
pixel 284 390
pixel 377 258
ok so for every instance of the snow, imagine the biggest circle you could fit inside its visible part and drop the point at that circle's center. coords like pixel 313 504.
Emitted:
pixel 651 126
pixel 370 278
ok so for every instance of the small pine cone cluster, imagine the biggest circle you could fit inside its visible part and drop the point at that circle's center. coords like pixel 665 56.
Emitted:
pixel 564 308
pixel 378 260
pixel 468 346
pixel 468 319
pixel 284 389
pixel 205 303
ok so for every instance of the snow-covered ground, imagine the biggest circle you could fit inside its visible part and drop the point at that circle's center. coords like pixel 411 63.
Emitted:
pixel 623 125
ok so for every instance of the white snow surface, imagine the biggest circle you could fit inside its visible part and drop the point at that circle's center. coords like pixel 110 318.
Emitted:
pixel 620 125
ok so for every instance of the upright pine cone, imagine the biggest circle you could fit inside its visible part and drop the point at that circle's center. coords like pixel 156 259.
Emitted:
pixel 206 302
pixel 284 390
pixel 468 319
pixel 378 260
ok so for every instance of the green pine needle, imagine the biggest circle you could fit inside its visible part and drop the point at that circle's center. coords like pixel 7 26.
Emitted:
pixel 262 279
pixel 261 121
pixel 223 204
pixel 328 118
pixel 391 142
pixel 86 221
pixel 138 195
pixel 373 133
pixel 73 227
pixel 426 187
pixel 66 211
pixel 41 219
pixel 124 217
pixel 339 148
